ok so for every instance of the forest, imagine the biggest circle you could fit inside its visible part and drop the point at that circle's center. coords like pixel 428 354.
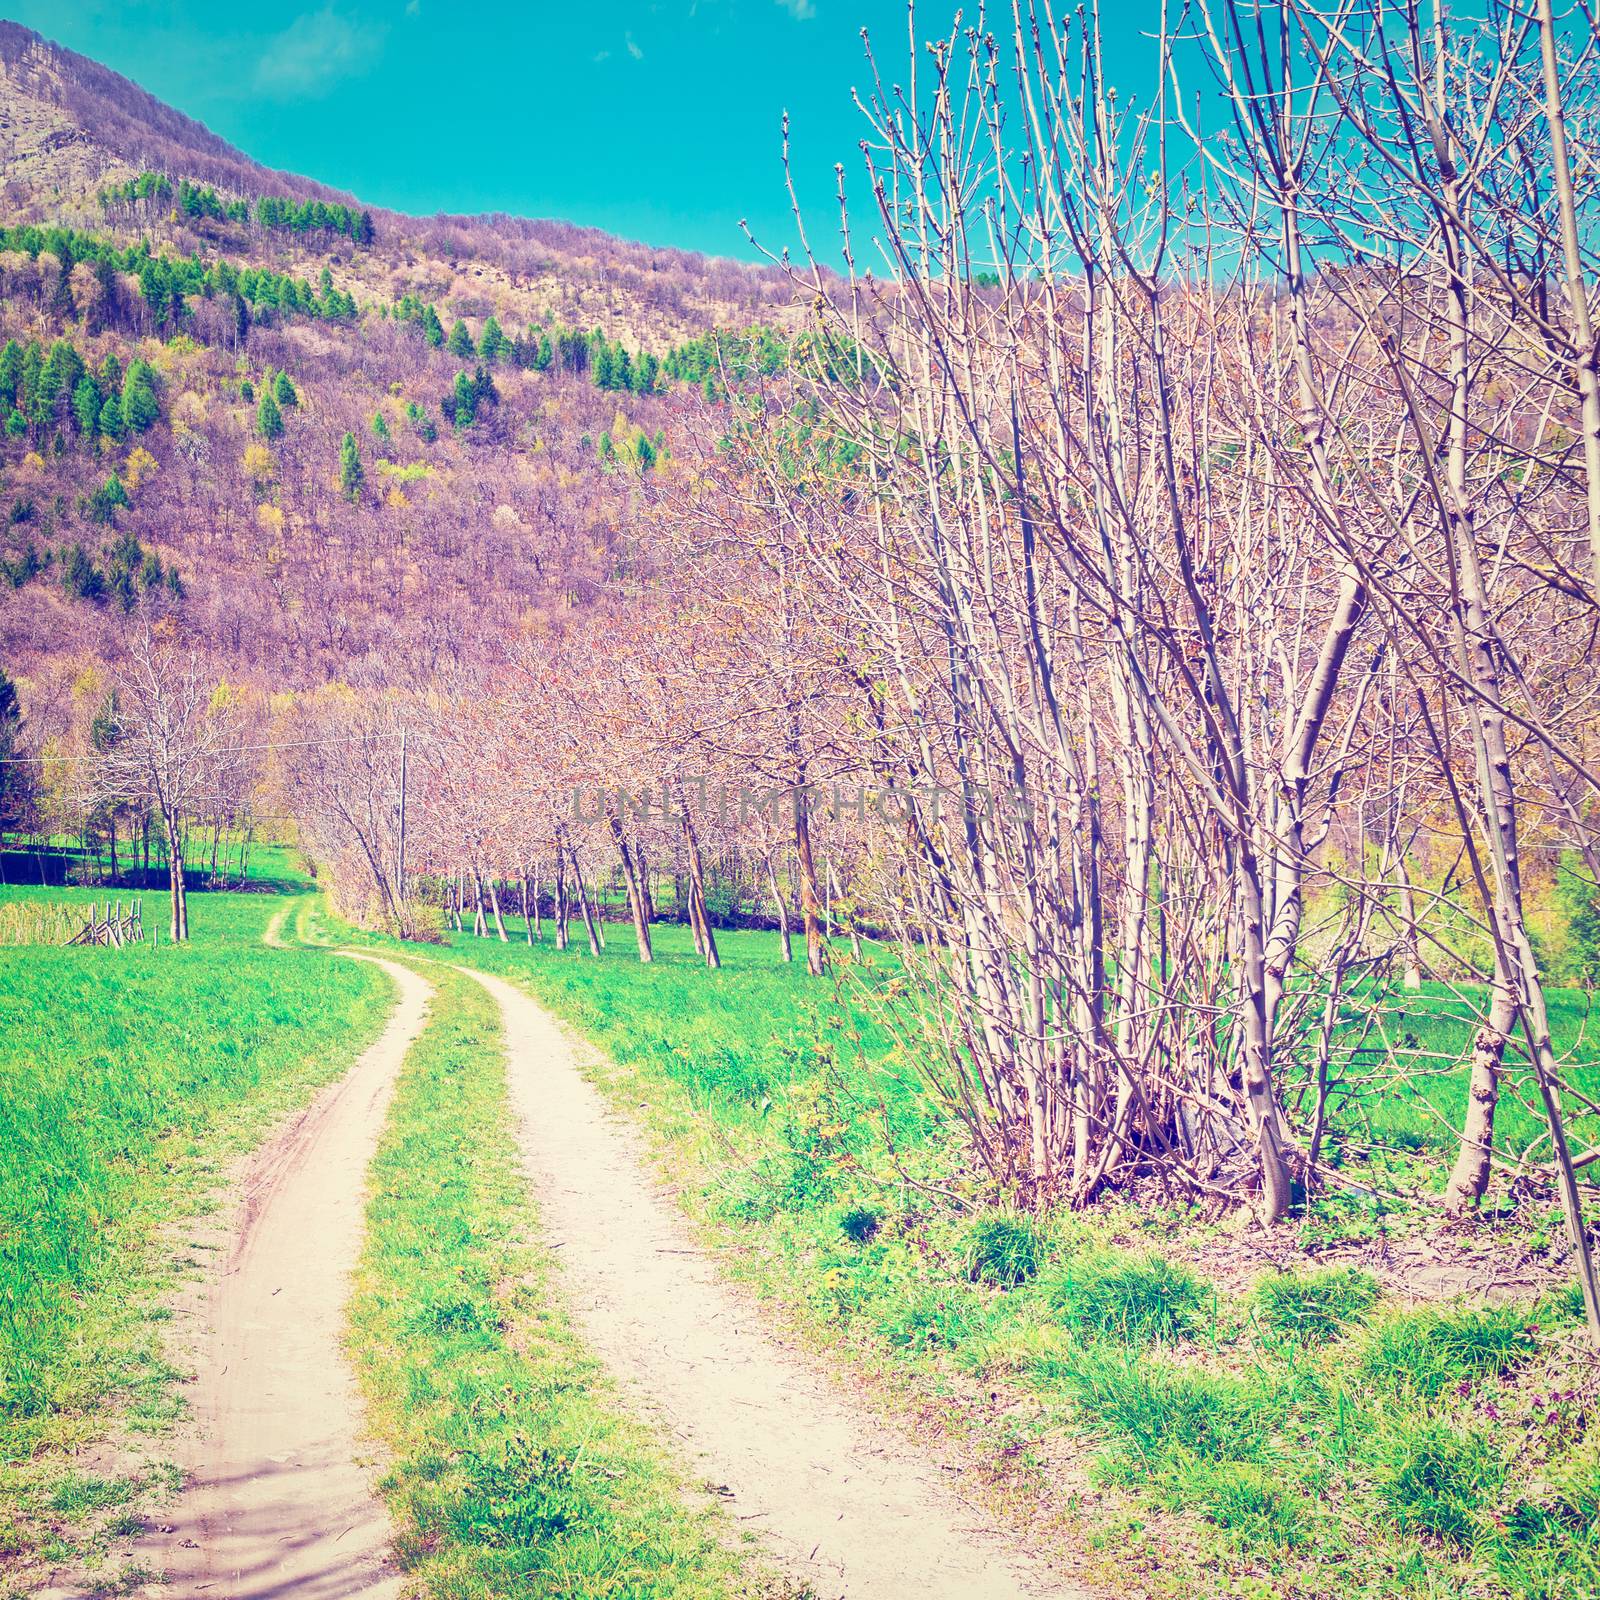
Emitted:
pixel 1055 777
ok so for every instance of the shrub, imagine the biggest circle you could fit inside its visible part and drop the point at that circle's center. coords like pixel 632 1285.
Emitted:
pixel 1427 1351
pixel 1003 1250
pixel 1135 1299
pixel 424 923
pixel 1316 1305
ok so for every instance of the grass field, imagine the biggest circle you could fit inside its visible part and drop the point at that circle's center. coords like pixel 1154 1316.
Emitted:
pixel 128 1079
pixel 515 1470
pixel 1295 1438
pixel 1300 1434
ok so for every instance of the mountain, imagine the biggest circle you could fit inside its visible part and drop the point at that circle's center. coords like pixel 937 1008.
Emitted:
pixel 319 432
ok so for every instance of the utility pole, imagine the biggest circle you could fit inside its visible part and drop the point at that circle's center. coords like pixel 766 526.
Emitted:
pixel 400 859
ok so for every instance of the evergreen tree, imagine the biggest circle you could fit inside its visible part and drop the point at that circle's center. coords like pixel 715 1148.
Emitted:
pixel 464 401
pixel 112 422
pixel 546 355
pixel 140 408
pixel 269 419
pixel 86 403
pixel 352 475
pixel 380 427
pixel 32 368
pixel 284 392
pixel 432 328
pixel 107 500
pixel 492 341
pixel 10 374
pixel 460 341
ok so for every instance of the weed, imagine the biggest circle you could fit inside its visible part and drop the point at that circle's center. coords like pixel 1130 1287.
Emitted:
pixel 1428 1351
pixel 926 1316
pixel 1314 1306
pixel 1003 1250
pixel 1146 1407
pixel 77 1495
pixel 860 1225
pixel 1136 1299
pixel 1435 1480
pixel 1253 1503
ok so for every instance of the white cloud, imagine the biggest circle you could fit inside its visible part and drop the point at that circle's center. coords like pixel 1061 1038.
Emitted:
pixel 633 49
pixel 800 10
pixel 315 51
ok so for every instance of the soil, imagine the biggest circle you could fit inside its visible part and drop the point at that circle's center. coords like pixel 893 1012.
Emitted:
pixel 277 1499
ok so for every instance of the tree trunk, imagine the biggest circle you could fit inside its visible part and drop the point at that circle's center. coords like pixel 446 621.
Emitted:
pixel 1409 943
pixel 1469 1178
pixel 584 906
pixel 810 900
pixel 783 912
pixel 178 888
pixel 480 923
pixel 630 875
pixel 562 914
pixel 697 893
pixel 494 905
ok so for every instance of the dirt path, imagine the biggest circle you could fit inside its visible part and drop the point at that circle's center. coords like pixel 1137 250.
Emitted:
pixel 839 1499
pixel 277 1502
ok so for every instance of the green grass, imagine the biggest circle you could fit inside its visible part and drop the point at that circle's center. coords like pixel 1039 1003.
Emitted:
pixel 1298 1438
pixel 515 1468
pixel 128 1079
pixel 1314 1306
pixel 1413 1100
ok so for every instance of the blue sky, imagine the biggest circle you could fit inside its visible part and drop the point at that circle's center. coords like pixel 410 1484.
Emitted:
pixel 655 121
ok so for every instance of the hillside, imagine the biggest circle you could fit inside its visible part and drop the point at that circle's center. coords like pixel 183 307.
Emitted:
pixel 187 338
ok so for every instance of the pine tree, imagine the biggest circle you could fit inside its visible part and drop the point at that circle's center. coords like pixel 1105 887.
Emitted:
pixel 10 374
pixel 269 419
pixel 464 401
pixel 492 341
pixel 112 422
pixel 140 408
pixel 546 355
pixel 86 405
pixel 432 328
pixel 284 392
pixel 460 341
pixel 380 427
pixel 352 475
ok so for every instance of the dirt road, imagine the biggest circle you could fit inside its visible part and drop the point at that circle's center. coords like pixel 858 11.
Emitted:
pixel 277 1502
pixel 837 1498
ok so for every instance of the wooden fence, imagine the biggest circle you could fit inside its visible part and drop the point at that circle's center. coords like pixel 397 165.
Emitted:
pixel 113 926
